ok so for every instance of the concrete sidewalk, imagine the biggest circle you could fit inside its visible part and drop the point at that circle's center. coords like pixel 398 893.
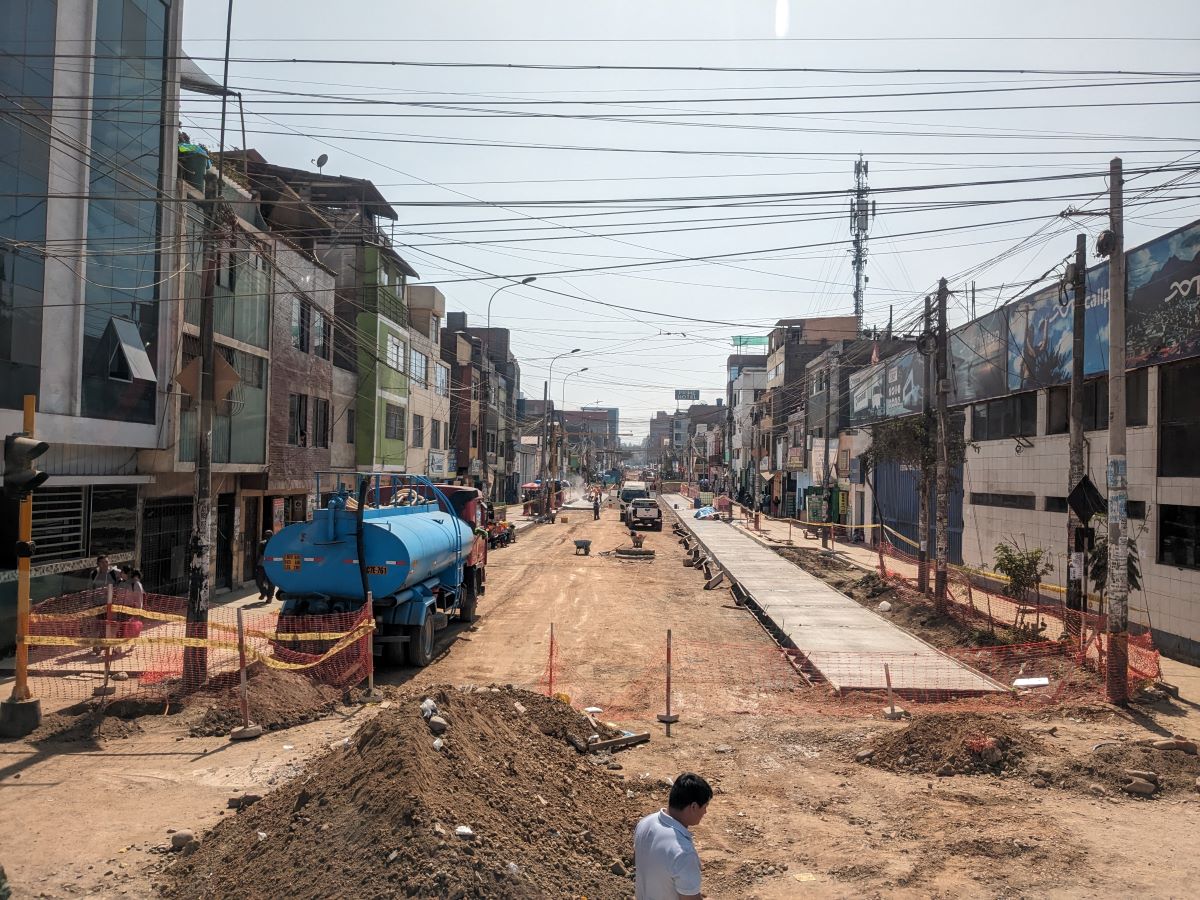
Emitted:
pixel 843 640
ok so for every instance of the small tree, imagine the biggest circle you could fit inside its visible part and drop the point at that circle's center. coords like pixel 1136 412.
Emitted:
pixel 1022 567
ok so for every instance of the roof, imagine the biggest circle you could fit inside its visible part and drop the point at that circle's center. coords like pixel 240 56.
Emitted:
pixel 331 190
pixel 193 78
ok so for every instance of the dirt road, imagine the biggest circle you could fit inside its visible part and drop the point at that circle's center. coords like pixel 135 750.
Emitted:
pixel 795 815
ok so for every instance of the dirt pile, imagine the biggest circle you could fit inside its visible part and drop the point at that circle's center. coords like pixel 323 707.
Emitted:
pixel 87 722
pixel 552 718
pixel 954 744
pixel 277 699
pixel 1108 764
pixel 382 816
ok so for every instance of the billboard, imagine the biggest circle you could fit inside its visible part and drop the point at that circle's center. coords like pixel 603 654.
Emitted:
pixel 979 358
pixel 1162 297
pixel 894 387
pixel 687 395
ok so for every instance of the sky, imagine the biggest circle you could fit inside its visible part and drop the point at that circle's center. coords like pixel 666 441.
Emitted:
pixel 604 147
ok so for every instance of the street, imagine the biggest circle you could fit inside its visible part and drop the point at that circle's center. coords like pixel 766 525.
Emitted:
pixel 794 815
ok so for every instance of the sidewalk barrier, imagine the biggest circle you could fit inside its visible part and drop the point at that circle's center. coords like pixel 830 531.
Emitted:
pixel 78 642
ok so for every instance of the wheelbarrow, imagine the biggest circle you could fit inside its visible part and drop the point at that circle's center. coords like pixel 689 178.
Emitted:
pixel 585 546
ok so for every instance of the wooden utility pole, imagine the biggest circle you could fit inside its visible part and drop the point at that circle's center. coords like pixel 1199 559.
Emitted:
pixel 943 454
pixel 1076 588
pixel 926 443
pixel 1116 679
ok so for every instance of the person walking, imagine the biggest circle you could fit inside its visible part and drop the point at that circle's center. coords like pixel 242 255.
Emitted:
pixel 668 867
pixel 104 574
pixel 596 508
pixel 266 590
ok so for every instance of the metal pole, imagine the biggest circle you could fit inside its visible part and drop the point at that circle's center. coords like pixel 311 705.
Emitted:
pixel 923 475
pixel 245 697
pixel 1075 581
pixel 668 718
pixel 1117 673
pixel 826 532
pixel 20 691
pixel 943 456
pixel 550 665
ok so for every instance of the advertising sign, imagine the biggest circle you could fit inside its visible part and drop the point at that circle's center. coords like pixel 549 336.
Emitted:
pixel 1162 296
pixel 277 516
pixel 979 358
pixel 687 395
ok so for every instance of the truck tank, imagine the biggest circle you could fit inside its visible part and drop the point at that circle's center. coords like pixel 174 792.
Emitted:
pixel 404 546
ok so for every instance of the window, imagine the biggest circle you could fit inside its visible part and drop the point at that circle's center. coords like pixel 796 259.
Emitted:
pixel 1095 401
pixel 394 422
pixel 1058 410
pixel 1004 418
pixel 442 384
pixel 298 420
pixel 1055 504
pixel 1179 534
pixel 474 437
pixel 395 353
pixel 1008 501
pixel 1135 509
pixel 301 324
pixel 1179 420
pixel 350 424
pixel 435 434
pixel 417 438
pixel 844 464
pixel 320 422
pixel 320 334
pixel 417 366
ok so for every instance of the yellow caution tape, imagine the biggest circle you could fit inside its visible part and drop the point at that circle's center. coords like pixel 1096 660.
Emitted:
pixel 99 612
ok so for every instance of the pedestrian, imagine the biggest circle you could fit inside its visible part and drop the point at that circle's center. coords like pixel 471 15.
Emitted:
pixel 596 508
pixel 266 590
pixel 668 867
pixel 104 574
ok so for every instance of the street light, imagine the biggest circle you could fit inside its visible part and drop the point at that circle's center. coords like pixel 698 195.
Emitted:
pixel 565 378
pixel 486 350
pixel 546 421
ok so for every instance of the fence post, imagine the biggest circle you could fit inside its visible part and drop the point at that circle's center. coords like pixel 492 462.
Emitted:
pixel 105 688
pixel 247 730
pixel 372 695
pixel 667 718
pixel 550 664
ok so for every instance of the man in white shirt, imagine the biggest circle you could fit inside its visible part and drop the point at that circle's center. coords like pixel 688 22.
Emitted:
pixel 668 867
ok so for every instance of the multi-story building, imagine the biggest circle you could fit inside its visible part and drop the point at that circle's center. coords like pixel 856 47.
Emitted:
pixel 745 391
pixel 428 385
pixel 89 148
pixel 464 462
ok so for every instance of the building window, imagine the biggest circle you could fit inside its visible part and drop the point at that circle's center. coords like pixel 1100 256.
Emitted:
pixel 1007 501
pixel 394 422
pixel 320 422
pixel 1004 418
pixel 417 438
pixel 1055 504
pixel 350 424
pixel 301 324
pixel 1058 410
pixel 442 384
pixel 395 353
pixel 417 365
pixel 320 334
pixel 1179 420
pixel 474 437
pixel 1135 509
pixel 1179 534
pixel 298 420
pixel 435 434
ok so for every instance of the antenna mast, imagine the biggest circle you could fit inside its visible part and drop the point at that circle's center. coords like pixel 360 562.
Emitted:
pixel 862 213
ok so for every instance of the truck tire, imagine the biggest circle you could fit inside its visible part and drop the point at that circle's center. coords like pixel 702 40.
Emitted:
pixel 658 525
pixel 470 596
pixel 420 643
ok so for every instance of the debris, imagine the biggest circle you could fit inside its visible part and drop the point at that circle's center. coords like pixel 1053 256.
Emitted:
pixel 617 868
pixel 1040 782
pixel 1097 789
pixel 513 869
pixel 428 708
pixel 438 743
pixel 863 755
pixel 945 771
pixel 243 801
pixel 392 856
pixel 519 707
pixel 465 832
pixel 181 839
pixel 724 748
pixel 1139 787
pixel 1143 774
pixel 262 836
pixel 594 710
pixel 289 746
pixel 1041 681
pixel 884 606
pixel 438 725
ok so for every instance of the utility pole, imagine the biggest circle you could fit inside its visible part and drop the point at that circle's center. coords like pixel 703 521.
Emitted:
pixel 545 440
pixel 1116 679
pixel 943 457
pixel 826 532
pixel 861 213
pixel 1076 589
pixel 926 348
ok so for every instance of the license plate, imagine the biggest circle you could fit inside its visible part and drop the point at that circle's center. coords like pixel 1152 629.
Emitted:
pixel 291 562
pixel 376 570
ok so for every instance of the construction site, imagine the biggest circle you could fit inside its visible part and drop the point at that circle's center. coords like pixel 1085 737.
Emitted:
pixel 859 742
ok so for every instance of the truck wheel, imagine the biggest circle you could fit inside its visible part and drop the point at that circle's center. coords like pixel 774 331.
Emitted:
pixel 470 598
pixel 392 653
pixel 658 526
pixel 420 643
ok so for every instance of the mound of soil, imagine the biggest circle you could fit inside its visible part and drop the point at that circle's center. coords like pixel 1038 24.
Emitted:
pixel 955 744
pixel 551 717
pixel 277 699
pixel 1177 771
pixel 379 817
pixel 88 722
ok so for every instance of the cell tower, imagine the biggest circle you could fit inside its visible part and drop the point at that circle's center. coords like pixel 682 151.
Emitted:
pixel 861 215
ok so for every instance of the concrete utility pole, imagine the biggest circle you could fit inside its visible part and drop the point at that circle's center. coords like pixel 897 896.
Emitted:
pixel 1116 680
pixel 826 532
pixel 861 213
pixel 1076 586
pixel 545 438
pixel 926 441
pixel 943 457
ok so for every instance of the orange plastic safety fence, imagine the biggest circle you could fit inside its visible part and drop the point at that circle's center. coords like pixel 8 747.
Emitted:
pixel 88 644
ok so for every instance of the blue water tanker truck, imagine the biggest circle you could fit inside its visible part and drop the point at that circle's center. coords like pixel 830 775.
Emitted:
pixel 416 548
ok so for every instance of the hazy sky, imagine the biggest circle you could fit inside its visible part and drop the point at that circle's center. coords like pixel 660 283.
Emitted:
pixel 658 153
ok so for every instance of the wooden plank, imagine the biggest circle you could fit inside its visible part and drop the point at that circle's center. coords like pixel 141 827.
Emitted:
pixel 617 743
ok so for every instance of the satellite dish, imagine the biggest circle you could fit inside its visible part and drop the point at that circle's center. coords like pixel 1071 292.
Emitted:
pixel 321 160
